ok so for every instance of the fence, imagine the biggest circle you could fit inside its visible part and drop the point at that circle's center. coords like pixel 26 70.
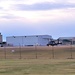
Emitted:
pixel 38 52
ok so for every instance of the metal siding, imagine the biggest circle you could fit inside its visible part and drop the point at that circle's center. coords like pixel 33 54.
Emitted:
pixel 43 41
pixel 22 40
pixel 28 40
pixel 15 41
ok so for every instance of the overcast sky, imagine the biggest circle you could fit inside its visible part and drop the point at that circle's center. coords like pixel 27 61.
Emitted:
pixel 37 17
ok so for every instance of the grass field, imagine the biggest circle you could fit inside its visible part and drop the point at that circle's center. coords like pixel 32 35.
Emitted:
pixel 37 60
pixel 37 67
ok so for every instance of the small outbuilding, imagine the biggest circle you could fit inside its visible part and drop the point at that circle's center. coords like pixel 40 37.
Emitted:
pixel 67 40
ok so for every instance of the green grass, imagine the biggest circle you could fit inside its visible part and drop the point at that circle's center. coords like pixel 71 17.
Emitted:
pixel 37 67
pixel 10 64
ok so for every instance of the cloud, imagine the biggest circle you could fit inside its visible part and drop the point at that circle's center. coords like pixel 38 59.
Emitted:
pixel 0 0
pixel 8 16
pixel 43 6
pixel 1 8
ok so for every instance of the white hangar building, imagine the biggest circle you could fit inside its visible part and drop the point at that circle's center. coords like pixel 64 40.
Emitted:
pixel 41 40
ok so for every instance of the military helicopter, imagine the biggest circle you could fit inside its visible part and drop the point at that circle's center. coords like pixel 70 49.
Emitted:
pixel 53 42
